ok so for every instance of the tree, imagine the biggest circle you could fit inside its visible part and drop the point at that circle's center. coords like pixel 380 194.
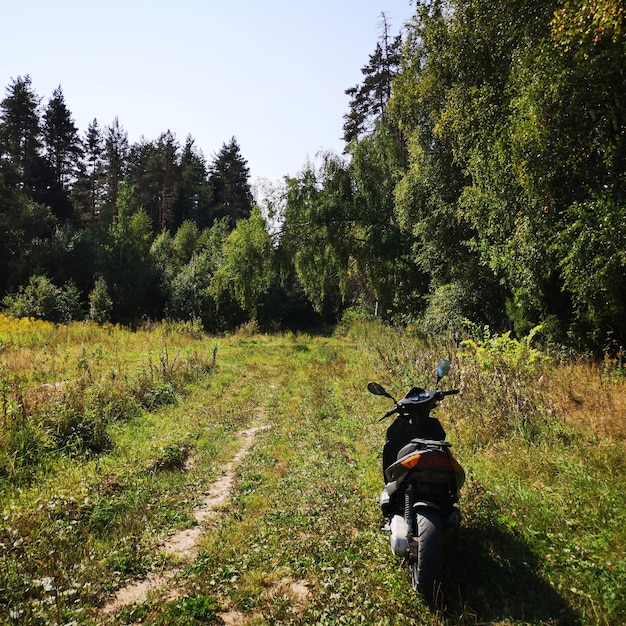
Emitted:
pixel 24 226
pixel 368 101
pixel 194 191
pixel 88 190
pixel 553 140
pixel 390 281
pixel 513 114
pixel 44 300
pixel 190 296
pixel 378 248
pixel 186 264
pixel 318 231
pixel 61 140
pixel 20 136
pixel 247 268
pixel 100 303
pixel 129 270
pixel 229 180
pixel 67 254
pixel 154 172
pixel 116 161
pixel 428 195
pixel 186 241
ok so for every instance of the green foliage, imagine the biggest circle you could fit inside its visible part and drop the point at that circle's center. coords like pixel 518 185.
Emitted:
pixel 593 260
pixel 543 533
pixel 43 300
pixel 24 224
pixel 191 611
pixel 354 315
pixel 131 228
pixel 506 139
pixel 340 228
pixel 447 310
pixel 100 302
pixel 186 241
pixel 247 268
pixel 172 457
pixel 229 182
pixel 190 297
pixel 483 180
pixel 318 231
pixel 186 265
pixel 128 270
pixel 492 349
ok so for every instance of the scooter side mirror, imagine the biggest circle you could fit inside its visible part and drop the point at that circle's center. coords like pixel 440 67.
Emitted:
pixel 443 368
pixel 377 390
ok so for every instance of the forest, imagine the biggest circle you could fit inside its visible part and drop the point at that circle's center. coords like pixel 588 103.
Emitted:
pixel 482 185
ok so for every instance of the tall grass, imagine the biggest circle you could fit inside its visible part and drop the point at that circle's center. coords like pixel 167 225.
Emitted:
pixel 543 441
pixel 61 387
pixel 84 510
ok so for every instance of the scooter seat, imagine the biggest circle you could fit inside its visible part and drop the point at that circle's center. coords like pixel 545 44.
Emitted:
pixel 422 444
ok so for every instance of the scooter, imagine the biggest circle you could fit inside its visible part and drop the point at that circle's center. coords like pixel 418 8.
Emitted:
pixel 422 484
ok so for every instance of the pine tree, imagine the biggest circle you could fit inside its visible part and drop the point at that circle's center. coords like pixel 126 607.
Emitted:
pixel 20 135
pixel 368 101
pixel 194 193
pixel 116 160
pixel 63 149
pixel 61 141
pixel 153 170
pixel 88 190
pixel 94 152
pixel 229 180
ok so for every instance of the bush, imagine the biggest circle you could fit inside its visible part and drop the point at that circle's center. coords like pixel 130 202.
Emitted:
pixel 23 443
pixel 100 303
pixel 448 308
pixel 77 430
pixel 196 609
pixel 42 299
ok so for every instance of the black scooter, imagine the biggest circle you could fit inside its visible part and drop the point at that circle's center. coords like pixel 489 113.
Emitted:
pixel 422 483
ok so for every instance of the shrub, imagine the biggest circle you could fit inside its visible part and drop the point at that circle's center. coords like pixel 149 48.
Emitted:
pixel 42 299
pixel 78 430
pixel 447 310
pixel 196 609
pixel 100 302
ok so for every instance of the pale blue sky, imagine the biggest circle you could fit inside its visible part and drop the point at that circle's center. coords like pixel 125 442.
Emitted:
pixel 271 73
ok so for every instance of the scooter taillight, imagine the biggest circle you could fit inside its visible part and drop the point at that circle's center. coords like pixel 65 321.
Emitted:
pixel 438 461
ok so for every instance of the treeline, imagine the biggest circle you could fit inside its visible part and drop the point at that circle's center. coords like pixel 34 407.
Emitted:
pixel 483 180
pixel 487 174
pixel 93 226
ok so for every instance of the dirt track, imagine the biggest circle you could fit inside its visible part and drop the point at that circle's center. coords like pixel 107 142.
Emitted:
pixel 183 545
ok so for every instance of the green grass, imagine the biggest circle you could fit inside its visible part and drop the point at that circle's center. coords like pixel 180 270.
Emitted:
pixel 299 541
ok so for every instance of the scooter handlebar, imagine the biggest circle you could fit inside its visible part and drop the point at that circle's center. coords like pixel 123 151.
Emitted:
pixel 439 395
pixel 389 413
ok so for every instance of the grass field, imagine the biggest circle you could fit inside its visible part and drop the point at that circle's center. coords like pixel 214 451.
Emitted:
pixel 111 441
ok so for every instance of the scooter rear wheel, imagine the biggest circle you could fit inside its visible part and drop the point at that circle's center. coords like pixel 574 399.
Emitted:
pixel 426 571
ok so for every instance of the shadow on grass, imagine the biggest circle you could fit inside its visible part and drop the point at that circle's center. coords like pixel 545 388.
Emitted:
pixel 490 576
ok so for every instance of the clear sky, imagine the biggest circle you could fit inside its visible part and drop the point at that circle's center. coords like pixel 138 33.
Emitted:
pixel 271 73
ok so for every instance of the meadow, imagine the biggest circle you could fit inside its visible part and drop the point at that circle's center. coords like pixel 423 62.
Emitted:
pixel 111 440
